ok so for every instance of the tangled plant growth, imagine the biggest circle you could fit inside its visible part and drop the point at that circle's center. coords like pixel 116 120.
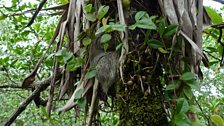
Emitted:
pixel 144 55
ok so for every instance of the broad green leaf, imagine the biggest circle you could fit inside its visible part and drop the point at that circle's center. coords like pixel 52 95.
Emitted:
pixel 215 17
pixel 44 112
pixel 91 17
pixel 162 50
pixel 146 24
pixel 217 120
pixel 194 108
pixel 188 92
pixel 182 105
pixel 105 38
pixel 90 74
pixel 86 41
pixel 64 54
pixel 36 26
pixel 143 21
pixel 188 76
pixel 181 119
pixel 100 30
pixel 83 52
pixel 67 55
pixel 74 64
pixel 88 8
pixel 172 86
pixel 78 93
pixel 111 27
pixel 2 17
pixel 197 124
pixel 132 27
pixel 58 53
pixel 141 15
pixel 170 30
pixel 81 103
pixel 155 43
pixel 213 62
pixel 211 49
pixel 193 84
pixel 161 27
pixel 102 11
pixel 63 1
pixel 220 48
pixel 118 27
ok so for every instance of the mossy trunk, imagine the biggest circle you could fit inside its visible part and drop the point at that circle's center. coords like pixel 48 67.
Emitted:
pixel 138 108
pixel 140 101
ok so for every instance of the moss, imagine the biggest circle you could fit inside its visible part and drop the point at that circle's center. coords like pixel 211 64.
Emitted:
pixel 136 109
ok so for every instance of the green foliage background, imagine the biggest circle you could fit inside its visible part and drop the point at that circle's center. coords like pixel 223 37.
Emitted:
pixel 21 48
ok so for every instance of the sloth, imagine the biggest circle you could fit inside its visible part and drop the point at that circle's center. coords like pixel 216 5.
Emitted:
pixel 105 63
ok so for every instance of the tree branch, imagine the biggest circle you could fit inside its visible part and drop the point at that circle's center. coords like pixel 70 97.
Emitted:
pixel 41 86
pixel 220 1
pixel 10 86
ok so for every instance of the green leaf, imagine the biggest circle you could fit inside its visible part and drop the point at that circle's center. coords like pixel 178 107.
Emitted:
pixel 118 27
pixel 197 124
pixel 146 24
pixel 74 64
pixel 105 38
pixel 91 17
pixel 188 76
pixel 132 27
pixel 2 17
pixel 193 84
pixel 161 27
pixel 88 8
pixel 36 27
pixel 162 50
pixel 102 11
pixel 119 46
pixel 63 1
pixel 215 17
pixel 141 15
pixel 194 108
pixel 104 29
pixel 44 112
pixel 67 56
pixel 211 49
pixel 81 103
pixel 182 105
pixel 78 93
pixel 213 62
pixel 155 43
pixel 90 74
pixel 220 48
pixel 170 30
pixel 64 54
pixel 174 85
pixel 111 27
pixel 143 21
pixel 188 92
pixel 217 120
pixel 86 41
pixel 181 119
pixel 105 46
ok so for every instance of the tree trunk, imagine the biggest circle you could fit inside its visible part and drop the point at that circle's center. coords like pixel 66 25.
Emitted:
pixel 140 101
